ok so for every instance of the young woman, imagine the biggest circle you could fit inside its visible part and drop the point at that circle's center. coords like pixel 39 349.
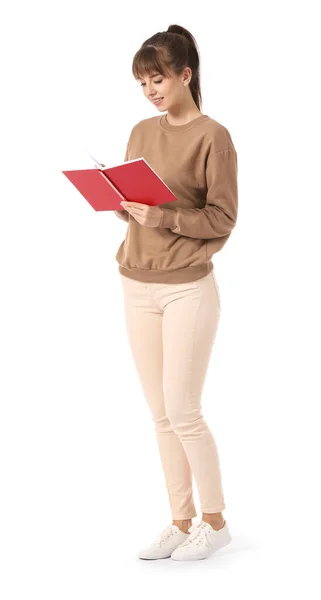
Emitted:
pixel 171 296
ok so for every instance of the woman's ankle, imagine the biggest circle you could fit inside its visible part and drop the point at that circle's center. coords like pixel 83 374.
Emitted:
pixel 216 520
pixel 183 524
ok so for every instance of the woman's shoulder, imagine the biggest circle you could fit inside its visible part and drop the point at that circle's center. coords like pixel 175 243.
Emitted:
pixel 218 134
pixel 146 123
pixel 144 126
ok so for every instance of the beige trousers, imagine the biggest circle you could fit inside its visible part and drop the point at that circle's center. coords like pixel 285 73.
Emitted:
pixel 171 331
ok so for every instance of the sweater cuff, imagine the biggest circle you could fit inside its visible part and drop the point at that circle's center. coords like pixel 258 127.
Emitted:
pixel 168 218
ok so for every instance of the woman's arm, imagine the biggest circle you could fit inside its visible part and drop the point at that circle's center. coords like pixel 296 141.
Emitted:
pixel 219 215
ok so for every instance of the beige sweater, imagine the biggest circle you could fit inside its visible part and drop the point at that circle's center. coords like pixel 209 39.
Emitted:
pixel 198 162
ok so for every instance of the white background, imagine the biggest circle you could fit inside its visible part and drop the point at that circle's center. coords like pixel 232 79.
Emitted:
pixel 82 489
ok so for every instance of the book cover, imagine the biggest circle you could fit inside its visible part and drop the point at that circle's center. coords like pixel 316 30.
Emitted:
pixel 134 181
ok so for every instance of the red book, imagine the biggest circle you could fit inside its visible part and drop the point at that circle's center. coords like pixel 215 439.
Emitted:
pixel 134 181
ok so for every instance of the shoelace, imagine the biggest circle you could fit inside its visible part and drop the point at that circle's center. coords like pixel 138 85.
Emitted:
pixel 196 531
pixel 164 535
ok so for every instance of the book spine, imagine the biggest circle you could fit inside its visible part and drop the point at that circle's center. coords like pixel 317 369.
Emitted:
pixel 112 185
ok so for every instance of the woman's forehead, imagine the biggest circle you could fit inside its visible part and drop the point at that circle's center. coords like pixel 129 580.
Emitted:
pixel 155 74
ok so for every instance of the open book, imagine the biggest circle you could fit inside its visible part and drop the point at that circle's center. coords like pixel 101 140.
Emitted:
pixel 134 180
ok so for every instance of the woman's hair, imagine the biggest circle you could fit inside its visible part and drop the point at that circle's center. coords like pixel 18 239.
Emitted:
pixel 167 52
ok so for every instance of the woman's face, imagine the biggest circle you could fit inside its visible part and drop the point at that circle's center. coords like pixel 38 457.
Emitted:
pixel 170 89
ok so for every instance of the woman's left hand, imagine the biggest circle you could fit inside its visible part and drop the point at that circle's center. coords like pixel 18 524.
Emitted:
pixel 150 216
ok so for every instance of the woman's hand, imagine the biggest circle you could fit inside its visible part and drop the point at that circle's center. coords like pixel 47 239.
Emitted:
pixel 150 216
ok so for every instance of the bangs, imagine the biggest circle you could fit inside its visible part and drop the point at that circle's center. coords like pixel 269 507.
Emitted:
pixel 149 61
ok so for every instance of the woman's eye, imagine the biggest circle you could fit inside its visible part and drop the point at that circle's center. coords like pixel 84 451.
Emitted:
pixel 154 82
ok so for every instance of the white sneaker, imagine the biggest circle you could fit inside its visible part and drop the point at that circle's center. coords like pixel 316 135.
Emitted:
pixel 202 542
pixel 165 543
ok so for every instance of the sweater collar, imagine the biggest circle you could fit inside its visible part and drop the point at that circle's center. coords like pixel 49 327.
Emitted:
pixel 178 128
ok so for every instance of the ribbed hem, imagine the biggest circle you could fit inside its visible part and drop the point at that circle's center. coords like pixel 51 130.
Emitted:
pixel 184 275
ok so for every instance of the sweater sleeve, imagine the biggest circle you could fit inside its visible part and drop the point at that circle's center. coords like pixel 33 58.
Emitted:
pixel 218 217
pixel 123 214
